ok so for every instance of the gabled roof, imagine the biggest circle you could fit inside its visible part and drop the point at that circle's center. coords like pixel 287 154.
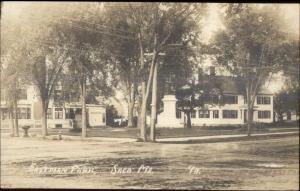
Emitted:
pixel 230 85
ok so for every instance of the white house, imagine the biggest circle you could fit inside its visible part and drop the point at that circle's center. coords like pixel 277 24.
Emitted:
pixel 232 112
pixel 30 111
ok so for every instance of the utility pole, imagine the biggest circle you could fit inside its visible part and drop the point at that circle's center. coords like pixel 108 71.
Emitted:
pixel 153 104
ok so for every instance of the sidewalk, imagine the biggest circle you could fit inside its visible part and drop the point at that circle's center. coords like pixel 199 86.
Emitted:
pixel 100 139
pixel 215 138
pixel 224 137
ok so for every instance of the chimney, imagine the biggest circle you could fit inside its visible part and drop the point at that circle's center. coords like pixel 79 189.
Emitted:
pixel 212 71
pixel 200 75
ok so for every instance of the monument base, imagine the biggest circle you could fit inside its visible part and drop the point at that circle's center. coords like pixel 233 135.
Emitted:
pixel 168 117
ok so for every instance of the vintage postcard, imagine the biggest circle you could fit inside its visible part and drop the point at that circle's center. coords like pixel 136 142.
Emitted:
pixel 153 95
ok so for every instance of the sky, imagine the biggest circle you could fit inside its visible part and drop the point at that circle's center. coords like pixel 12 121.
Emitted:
pixel 211 23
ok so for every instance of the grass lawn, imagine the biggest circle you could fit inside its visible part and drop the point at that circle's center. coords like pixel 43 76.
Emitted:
pixel 166 132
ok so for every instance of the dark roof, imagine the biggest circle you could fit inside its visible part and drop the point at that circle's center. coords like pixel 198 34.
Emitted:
pixel 230 85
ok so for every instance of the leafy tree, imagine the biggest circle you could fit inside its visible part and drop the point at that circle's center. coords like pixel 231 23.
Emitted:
pixel 250 47
pixel 13 70
pixel 90 66
pixel 111 114
pixel 155 23
pixel 124 53
pixel 60 46
pixel 287 100
pixel 190 96
pixel 43 54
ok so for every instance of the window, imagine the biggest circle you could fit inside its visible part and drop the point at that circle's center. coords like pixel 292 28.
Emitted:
pixel 216 113
pixel 259 100
pixel 211 99
pixel 230 114
pixel 70 113
pixel 78 111
pixel 23 94
pixel 21 113
pixel 4 113
pixel 58 113
pixel 193 114
pixel 214 99
pixel 178 114
pixel 264 114
pixel 263 100
pixel 49 113
pixel 228 99
pixel 203 113
pixel 24 113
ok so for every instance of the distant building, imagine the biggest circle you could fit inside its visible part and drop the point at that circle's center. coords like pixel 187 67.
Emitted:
pixel 59 116
pixel 232 112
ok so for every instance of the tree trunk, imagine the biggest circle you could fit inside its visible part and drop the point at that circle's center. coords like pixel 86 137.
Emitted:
pixel 288 115
pixel 142 119
pixel 83 113
pixel 131 106
pixel 153 104
pixel 188 122
pixel 130 114
pixel 44 117
pixel 145 99
pixel 146 92
pixel 280 117
pixel 16 124
pixel 249 110
pixel 44 120
pixel 12 125
pixel 184 120
pixel 142 114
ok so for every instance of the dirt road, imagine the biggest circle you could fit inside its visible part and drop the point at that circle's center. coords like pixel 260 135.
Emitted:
pixel 259 165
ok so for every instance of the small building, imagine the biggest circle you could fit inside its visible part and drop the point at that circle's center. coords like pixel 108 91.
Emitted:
pixel 58 116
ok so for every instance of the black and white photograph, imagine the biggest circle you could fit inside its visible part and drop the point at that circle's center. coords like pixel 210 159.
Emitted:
pixel 149 95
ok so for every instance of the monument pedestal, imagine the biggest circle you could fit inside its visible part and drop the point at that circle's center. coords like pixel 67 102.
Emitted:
pixel 168 117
